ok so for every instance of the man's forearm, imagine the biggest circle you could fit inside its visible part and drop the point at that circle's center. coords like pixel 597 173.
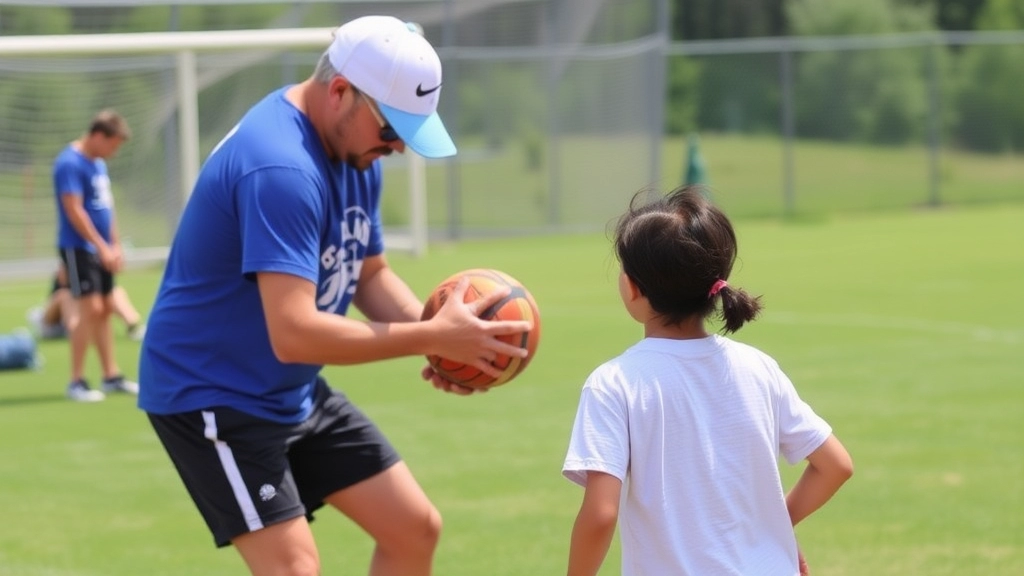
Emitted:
pixel 82 224
pixel 85 228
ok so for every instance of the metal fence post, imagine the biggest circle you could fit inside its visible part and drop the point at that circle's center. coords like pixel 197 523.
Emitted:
pixel 934 125
pixel 788 131
pixel 451 112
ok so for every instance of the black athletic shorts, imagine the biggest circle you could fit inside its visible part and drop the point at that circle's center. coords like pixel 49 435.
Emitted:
pixel 245 473
pixel 86 274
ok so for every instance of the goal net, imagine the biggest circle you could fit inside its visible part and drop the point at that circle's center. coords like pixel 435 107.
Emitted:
pixel 556 107
pixel 180 92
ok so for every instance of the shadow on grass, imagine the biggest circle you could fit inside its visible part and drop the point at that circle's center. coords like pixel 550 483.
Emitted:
pixel 28 400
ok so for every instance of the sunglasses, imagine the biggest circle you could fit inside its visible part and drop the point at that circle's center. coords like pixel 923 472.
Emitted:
pixel 387 133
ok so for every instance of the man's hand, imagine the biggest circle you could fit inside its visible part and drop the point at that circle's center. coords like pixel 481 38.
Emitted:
pixel 111 257
pixel 446 386
pixel 465 338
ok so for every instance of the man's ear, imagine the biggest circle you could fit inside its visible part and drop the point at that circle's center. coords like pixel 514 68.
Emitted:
pixel 337 88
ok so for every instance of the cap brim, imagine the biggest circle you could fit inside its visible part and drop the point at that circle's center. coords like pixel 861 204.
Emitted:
pixel 426 135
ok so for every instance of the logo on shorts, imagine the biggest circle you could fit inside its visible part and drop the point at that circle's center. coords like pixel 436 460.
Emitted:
pixel 267 492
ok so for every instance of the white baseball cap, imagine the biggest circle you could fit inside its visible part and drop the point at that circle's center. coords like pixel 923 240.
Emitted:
pixel 390 62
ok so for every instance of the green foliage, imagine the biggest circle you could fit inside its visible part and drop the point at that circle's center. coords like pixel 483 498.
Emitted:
pixel 225 17
pixel 623 21
pixel 27 20
pixel 991 107
pixel 956 14
pixel 23 97
pixel 16 20
pixel 845 17
pixel 739 93
pixel 497 106
pixel 682 103
pixel 1002 15
pixel 150 18
pixel 711 19
pixel 871 95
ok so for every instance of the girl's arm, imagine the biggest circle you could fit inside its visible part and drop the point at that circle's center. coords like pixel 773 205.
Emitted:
pixel 828 468
pixel 595 524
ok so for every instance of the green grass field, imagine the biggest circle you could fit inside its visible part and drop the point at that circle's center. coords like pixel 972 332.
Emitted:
pixel 904 330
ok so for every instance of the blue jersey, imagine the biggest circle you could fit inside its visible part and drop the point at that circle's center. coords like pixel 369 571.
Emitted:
pixel 73 173
pixel 268 199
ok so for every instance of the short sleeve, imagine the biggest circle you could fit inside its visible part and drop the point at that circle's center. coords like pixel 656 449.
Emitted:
pixel 600 434
pixel 280 211
pixel 375 246
pixel 801 431
pixel 66 180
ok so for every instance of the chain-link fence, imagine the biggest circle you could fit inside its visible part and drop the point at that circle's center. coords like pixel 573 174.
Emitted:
pixel 796 126
pixel 555 106
pixel 562 109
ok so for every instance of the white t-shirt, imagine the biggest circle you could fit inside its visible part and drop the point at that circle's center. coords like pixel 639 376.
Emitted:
pixel 694 429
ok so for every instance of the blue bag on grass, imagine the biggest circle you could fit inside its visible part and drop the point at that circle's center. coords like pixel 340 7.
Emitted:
pixel 18 351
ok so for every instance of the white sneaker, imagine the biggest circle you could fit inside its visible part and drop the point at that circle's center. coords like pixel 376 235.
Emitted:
pixel 79 391
pixel 35 318
pixel 41 328
pixel 137 331
pixel 118 384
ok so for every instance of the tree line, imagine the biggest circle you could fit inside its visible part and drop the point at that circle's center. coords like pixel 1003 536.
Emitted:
pixel 878 96
pixel 884 96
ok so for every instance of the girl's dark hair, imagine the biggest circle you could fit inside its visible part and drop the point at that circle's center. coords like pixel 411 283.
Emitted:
pixel 675 249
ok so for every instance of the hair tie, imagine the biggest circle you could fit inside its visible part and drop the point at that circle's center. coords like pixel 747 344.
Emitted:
pixel 718 285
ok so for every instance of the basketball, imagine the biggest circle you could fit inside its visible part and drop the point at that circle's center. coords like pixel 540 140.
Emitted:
pixel 518 305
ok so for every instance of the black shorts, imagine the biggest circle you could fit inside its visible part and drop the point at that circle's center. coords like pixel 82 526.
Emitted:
pixel 86 274
pixel 245 473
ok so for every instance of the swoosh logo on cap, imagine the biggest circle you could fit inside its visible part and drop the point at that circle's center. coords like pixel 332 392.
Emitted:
pixel 421 92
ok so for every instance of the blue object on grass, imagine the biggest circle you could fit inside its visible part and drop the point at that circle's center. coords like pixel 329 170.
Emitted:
pixel 18 351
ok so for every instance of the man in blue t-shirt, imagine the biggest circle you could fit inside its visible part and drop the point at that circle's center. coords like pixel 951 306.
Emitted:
pixel 90 249
pixel 281 234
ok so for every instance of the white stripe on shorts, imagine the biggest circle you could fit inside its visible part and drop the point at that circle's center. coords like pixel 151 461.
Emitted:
pixel 72 270
pixel 227 460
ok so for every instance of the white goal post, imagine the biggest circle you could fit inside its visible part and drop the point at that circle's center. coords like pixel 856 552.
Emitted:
pixel 257 44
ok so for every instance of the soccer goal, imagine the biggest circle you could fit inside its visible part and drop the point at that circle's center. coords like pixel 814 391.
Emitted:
pixel 181 92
